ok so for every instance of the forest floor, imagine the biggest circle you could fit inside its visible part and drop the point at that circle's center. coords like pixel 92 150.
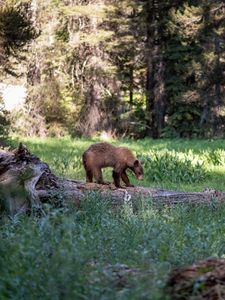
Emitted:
pixel 99 253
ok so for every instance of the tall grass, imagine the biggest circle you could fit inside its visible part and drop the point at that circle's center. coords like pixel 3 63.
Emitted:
pixel 190 165
pixel 81 254
pixel 98 252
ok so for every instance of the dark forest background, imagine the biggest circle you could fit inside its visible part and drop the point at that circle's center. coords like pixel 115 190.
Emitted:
pixel 127 67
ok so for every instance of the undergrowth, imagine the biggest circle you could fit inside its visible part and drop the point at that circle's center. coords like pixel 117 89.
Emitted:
pixel 81 254
pixel 103 252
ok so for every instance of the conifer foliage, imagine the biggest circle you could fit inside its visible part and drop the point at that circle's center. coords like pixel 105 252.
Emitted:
pixel 142 68
pixel 16 30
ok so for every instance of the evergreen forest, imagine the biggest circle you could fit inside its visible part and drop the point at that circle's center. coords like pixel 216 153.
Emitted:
pixel 143 68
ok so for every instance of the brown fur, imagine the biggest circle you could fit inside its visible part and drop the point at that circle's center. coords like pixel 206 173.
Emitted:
pixel 103 155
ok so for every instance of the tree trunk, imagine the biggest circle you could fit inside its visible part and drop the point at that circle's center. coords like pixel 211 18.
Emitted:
pixel 26 183
pixel 218 75
pixel 155 86
pixel 131 85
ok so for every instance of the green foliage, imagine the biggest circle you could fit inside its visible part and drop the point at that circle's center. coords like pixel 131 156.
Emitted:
pixel 194 68
pixel 184 122
pixel 100 252
pixel 82 254
pixel 173 164
pixel 69 163
pixel 133 117
pixel 27 121
pixel 216 157
pixel 4 120
pixel 172 167
pixel 89 68
pixel 16 30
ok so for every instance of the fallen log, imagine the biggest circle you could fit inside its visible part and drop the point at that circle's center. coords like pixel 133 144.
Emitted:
pixel 26 183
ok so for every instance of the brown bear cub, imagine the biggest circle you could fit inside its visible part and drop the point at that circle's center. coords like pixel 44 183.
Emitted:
pixel 102 155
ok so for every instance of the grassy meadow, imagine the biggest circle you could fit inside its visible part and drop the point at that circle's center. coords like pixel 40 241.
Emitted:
pixel 97 253
pixel 189 165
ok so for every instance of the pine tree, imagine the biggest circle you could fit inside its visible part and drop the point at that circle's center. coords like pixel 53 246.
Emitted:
pixel 16 31
pixel 194 68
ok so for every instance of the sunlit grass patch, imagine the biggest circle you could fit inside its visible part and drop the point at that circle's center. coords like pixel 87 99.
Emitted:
pixel 179 164
pixel 174 167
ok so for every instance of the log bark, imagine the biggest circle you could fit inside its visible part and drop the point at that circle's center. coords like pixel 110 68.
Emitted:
pixel 26 183
pixel 202 280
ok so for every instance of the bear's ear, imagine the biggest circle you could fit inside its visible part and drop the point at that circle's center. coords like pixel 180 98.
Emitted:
pixel 136 163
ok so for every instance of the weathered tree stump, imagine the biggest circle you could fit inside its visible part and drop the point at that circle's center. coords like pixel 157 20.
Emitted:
pixel 26 182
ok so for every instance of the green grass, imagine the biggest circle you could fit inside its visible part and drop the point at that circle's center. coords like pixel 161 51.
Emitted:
pixel 81 254
pixel 189 165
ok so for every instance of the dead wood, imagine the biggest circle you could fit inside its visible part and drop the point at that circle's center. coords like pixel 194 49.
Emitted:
pixel 26 183
pixel 202 280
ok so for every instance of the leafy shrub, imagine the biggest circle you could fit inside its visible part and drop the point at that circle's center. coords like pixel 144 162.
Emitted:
pixel 4 122
pixel 70 163
pixel 183 122
pixel 27 121
pixel 56 129
pixel 169 166
pixel 216 157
